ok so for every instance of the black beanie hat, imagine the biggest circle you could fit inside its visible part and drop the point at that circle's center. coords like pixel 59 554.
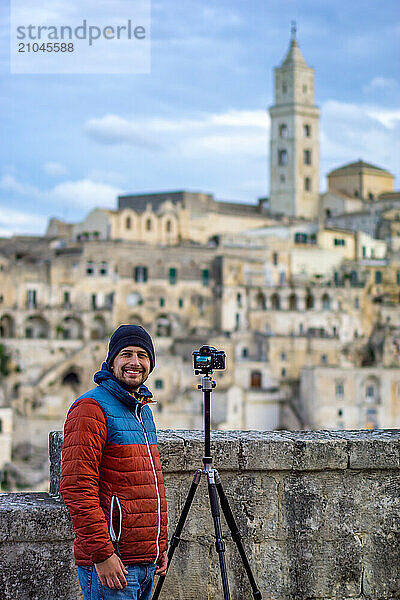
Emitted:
pixel 130 335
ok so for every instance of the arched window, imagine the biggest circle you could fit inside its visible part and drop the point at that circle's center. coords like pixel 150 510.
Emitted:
pixel 307 130
pixel 309 302
pixel 148 225
pixel 283 130
pixel 275 302
pixel 128 223
pixel 168 226
pixel 7 326
pixel 282 158
pixel 292 302
pixel 261 301
pixel 36 327
pixel 326 302
pixel 307 184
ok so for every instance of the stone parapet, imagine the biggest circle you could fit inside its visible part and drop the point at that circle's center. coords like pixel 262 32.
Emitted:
pixel 319 514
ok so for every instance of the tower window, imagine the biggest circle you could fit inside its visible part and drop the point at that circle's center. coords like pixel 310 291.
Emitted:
pixel 283 130
pixel 168 226
pixel 307 130
pixel 307 157
pixel 128 223
pixel 284 87
pixel 307 184
pixel 282 157
pixel 148 225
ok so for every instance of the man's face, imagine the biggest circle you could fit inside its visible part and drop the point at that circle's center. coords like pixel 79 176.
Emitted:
pixel 131 367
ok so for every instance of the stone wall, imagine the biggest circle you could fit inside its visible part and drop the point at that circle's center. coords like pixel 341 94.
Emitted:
pixel 319 513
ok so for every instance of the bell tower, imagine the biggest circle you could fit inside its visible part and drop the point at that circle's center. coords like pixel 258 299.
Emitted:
pixel 294 138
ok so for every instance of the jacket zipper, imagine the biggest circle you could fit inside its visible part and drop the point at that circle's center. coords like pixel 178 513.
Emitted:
pixel 139 417
pixel 114 538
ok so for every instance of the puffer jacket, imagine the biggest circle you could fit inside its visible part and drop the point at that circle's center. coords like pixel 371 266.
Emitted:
pixel 111 478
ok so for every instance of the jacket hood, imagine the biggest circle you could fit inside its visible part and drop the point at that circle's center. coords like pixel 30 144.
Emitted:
pixel 107 380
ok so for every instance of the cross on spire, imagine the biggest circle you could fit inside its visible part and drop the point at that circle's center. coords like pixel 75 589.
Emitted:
pixel 293 29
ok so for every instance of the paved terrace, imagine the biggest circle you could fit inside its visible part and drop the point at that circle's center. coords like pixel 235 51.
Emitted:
pixel 319 513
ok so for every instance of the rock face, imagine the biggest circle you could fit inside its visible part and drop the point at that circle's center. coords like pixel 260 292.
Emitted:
pixel 319 514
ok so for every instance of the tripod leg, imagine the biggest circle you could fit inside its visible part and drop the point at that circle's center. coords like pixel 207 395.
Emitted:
pixel 226 509
pixel 176 535
pixel 219 542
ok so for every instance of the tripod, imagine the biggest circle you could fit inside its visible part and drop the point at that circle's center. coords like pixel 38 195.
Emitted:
pixel 215 489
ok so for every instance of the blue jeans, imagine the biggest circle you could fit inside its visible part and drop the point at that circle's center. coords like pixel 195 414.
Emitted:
pixel 140 582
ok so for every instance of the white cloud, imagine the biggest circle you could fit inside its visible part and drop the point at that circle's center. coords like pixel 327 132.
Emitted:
pixel 352 131
pixel 10 184
pixel 388 118
pixel 54 169
pixel 116 130
pixel 235 131
pixel 18 221
pixel 85 194
pixel 382 82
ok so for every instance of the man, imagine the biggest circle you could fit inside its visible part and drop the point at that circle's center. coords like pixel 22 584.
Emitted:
pixel 111 478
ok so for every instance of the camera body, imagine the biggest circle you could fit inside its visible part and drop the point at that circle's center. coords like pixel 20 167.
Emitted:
pixel 207 359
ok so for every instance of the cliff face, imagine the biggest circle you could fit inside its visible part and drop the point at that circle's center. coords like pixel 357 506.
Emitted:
pixel 319 515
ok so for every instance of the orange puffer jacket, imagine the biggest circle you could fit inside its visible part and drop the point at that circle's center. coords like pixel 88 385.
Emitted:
pixel 111 478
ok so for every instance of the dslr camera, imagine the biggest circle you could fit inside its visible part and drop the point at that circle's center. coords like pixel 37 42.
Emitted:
pixel 207 359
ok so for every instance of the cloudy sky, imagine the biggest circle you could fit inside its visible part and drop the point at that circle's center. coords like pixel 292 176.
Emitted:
pixel 198 120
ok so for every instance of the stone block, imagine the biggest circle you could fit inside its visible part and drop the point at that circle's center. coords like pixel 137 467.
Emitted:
pixel 33 517
pixel 370 453
pixel 381 579
pixel 55 447
pixel 38 571
pixel 262 452
pixel 319 455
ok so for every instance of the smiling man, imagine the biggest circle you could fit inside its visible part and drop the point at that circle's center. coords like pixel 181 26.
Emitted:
pixel 111 476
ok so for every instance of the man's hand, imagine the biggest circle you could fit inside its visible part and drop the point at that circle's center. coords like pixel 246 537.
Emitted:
pixel 112 573
pixel 162 564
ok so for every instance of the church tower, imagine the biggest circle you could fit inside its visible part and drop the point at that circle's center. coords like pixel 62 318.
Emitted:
pixel 294 140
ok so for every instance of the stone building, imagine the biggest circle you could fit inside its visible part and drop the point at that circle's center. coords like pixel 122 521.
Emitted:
pixel 360 180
